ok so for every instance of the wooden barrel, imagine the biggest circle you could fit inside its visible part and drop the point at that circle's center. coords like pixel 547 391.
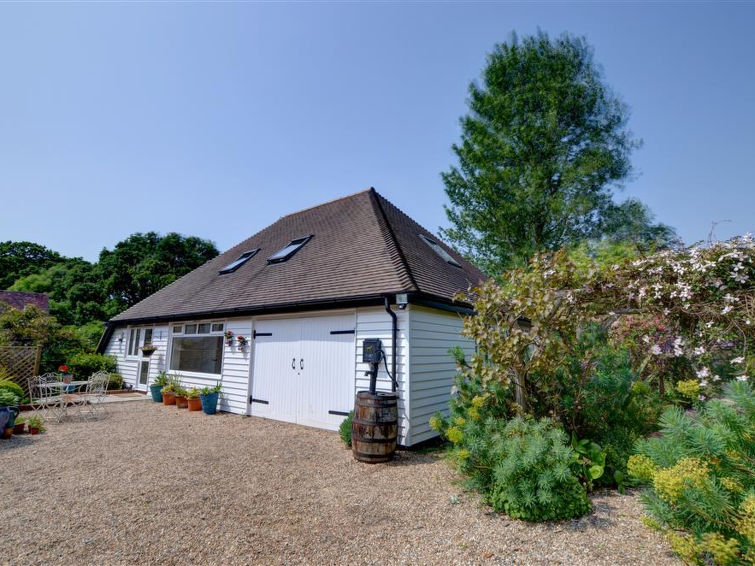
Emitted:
pixel 374 428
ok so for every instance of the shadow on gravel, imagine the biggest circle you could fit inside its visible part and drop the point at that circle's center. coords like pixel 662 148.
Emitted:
pixel 18 441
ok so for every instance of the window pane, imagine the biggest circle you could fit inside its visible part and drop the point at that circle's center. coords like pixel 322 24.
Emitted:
pixel 288 251
pixel 190 329
pixel 178 329
pixel 135 344
pixel 203 328
pixel 217 327
pixel 147 336
pixel 143 373
pixel 203 355
pixel 131 335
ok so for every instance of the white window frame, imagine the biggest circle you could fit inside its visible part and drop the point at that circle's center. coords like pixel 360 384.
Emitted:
pixel 183 334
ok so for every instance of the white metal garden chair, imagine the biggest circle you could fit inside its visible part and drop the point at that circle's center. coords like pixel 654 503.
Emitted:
pixel 95 394
pixel 45 398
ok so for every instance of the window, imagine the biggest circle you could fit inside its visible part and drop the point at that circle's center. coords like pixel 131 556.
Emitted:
pixel 241 260
pixel 190 329
pixel 133 341
pixel 147 336
pixel 203 328
pixel 217 327
pixel 285 254
pixel 178 329
pixel 203 354
pixel 438 249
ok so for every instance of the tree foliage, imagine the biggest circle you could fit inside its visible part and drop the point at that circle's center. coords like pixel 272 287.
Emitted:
pixel 143 264
pixel 543 143
pixel 18 259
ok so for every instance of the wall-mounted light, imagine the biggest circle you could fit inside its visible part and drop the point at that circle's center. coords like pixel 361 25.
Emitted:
pixel 402 299
pixel 120 337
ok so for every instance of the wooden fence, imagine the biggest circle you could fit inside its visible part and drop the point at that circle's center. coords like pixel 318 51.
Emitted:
pixel 22 362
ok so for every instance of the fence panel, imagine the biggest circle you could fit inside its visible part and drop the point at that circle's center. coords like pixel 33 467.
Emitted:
pixel 22 362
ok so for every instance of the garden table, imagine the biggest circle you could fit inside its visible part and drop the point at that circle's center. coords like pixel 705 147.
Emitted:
pixel 64 387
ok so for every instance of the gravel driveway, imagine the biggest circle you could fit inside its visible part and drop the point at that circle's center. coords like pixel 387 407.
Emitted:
pixel 150 483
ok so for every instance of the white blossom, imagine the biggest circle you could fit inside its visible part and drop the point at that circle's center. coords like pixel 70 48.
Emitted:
pixel 727 309
pixel 656 350
pixel 699 351
pixel 705 372
pixel 742 378
pixel 738 360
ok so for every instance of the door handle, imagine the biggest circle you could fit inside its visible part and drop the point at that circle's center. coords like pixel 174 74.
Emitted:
pixel 293 363
pixel 301 363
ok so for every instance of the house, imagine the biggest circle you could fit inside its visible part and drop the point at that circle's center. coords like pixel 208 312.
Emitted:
pixel 21 299
pixel 280 318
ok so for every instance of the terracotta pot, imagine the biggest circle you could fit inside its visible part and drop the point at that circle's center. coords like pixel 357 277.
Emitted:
pixel 8 432
pixel 181 402
pixel 19 428
pixel 33 430
pixel 169 398
pixel 195 404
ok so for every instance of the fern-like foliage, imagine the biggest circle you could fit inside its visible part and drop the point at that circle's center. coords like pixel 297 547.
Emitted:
pixel 702 478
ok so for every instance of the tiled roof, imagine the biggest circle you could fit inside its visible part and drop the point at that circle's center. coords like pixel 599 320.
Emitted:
pixel 20 299
pixel 362 246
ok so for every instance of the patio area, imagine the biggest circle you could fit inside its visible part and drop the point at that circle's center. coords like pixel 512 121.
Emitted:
pixel 151 483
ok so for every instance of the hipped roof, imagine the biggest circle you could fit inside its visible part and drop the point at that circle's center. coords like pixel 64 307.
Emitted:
pixel 362 246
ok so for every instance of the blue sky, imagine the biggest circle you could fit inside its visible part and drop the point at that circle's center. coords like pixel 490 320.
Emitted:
pixel 216 119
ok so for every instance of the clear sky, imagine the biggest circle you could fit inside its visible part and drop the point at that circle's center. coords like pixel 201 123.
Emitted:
pixel 216 119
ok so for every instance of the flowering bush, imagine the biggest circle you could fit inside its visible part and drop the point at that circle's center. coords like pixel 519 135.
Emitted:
pixel 701 478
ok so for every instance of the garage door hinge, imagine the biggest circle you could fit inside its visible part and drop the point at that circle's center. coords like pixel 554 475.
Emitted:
pixel 253 400
pixel 255 334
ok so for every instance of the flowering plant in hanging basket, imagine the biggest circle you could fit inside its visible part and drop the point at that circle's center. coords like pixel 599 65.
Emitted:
pixel 148 350
pixel 242 341
pixel 228 337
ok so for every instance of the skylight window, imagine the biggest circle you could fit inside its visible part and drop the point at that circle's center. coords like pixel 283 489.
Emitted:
pixel 285 254
pixel 438 249
pixel 242 259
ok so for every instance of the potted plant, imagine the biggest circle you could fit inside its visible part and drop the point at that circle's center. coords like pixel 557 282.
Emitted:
pixel 157 387
pixel 8 410
pixel 148 350
pixel 169 394
pixel 209 397
pixel 20 426
pixel 193 400
pixel 181 401
pixel 242 342
pixel 35 425
pixel 228 337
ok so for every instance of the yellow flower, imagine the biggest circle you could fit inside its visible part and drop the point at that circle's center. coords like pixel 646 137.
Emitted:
pixel 641 467
pixel 689 388
pixel 474 414
pixel 436 423
pixel 454 434
pixel 687 472
pixel 745 524
pixel 685 546
pixel 478 401
pixel 462 455
pixel 460 421
pixel 724 551
pixel 732 485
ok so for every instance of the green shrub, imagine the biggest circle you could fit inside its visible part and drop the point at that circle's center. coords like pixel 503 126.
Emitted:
pixel 8 399
pixel 700 473
pixel 345 429
pixel 116 381
pixel 14 388
pixel 523 467
pixel 82 365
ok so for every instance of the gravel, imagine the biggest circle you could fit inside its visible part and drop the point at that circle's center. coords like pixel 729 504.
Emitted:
pixel 149 483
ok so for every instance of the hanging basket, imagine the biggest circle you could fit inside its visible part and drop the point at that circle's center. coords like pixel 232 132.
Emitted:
pixel 148 350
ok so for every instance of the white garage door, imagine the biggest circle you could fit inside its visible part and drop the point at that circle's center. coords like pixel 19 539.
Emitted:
pixel 303 370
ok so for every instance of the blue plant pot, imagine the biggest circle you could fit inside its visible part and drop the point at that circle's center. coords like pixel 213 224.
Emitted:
pixel 157 393
pixel 210 403
pixel 6 415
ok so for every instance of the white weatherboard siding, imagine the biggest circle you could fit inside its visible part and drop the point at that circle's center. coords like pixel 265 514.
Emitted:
pixel 424 337
pixel 432 368
pixel 374 322
pixel 128 366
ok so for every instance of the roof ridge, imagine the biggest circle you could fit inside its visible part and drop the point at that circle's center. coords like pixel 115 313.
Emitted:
pixel 391 241
pixel 350 195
